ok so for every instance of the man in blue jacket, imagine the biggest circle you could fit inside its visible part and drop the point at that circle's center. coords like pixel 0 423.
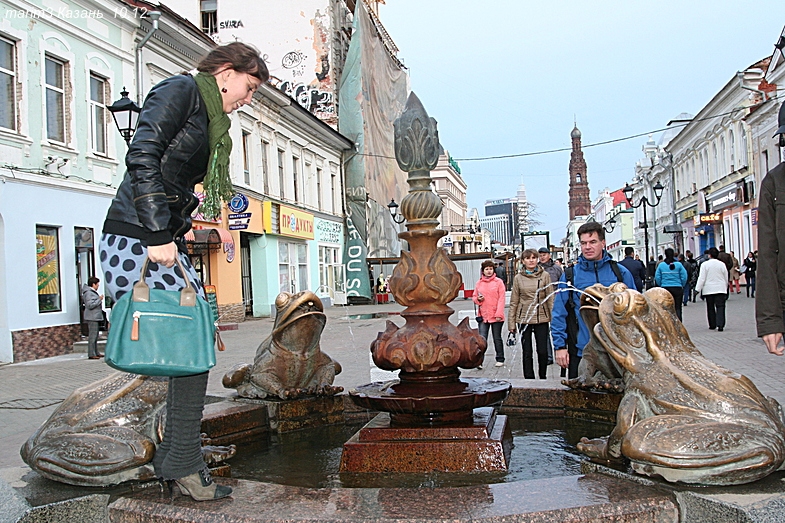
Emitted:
pixel 593 266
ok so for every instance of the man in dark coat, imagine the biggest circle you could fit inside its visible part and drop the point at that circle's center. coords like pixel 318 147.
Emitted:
pixel 770 296
pixel 636 267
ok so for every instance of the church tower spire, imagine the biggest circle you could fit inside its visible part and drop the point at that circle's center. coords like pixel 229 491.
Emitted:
pixel 580 202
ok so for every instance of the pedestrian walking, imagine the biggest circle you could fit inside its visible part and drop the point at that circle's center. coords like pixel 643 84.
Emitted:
pixel 672 276
pixel 635 266
pixel 748 269
pixel 489 296
pixel 93 315
pixel 530 312
pixel 735 273
pixel 713 284
pixel 692 276
pixel 181 139
pixel 554 270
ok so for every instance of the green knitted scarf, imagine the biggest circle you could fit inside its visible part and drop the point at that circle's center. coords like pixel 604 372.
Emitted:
pixel 217 183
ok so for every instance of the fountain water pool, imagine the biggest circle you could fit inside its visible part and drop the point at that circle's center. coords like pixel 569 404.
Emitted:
pixel 542 448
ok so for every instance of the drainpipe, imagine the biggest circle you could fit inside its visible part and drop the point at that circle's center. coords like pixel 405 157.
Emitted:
pixel 154 16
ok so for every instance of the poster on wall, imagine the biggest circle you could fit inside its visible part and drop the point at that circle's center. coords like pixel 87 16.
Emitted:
pixel 48 269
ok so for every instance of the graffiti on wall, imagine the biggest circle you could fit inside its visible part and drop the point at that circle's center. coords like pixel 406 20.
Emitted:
pixel 315 100
pixel 294 61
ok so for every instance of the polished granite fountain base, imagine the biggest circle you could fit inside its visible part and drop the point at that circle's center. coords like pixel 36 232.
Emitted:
pixel 589 498
pixel 483 446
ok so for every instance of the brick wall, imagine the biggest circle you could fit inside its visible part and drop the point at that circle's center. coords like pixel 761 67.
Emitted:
pixel 33 344
pixel 231 313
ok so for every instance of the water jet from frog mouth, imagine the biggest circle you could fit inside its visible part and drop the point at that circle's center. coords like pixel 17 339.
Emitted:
pixel 372 316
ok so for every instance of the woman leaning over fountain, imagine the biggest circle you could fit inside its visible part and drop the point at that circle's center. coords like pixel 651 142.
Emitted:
pixel 530 311
pixel 182 138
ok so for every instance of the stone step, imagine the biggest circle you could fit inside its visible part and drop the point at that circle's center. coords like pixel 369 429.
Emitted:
pixel 81 346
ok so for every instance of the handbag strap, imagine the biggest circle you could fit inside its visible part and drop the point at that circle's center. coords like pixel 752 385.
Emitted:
pixel 141 292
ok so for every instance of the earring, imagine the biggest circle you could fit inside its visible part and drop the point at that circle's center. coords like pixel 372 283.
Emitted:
pixel 223 89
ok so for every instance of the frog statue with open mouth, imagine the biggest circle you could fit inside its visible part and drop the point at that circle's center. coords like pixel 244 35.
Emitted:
pixel 289 363
pixel 682 417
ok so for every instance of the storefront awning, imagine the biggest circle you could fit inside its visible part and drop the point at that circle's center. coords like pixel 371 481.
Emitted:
pixel 214 236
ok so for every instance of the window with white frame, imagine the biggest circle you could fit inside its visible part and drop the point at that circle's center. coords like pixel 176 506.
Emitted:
pixel 265 173
pixel 209 10
pixel 54 78
pixel 334 192
pixel 7 84
pixel 714 167
pixel 295 175
pixel 723 168
pixel 319 188
pixel 281 175
pixel 330 270
pixel 98 113
pixel 246 158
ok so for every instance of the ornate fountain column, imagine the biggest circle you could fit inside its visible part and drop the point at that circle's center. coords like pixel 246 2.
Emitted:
pixel 429 402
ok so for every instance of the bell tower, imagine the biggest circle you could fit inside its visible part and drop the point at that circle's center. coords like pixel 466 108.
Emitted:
pixel 580 202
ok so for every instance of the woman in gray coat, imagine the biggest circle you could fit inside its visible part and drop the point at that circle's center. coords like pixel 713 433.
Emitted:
pixel 93 315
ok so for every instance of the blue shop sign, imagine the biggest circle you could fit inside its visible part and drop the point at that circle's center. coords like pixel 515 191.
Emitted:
pixel 238 203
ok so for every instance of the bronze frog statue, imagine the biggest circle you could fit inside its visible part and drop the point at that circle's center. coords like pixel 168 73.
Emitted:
pixel 289 363
pixel 682 417
pixel 106 433
pixel 596 370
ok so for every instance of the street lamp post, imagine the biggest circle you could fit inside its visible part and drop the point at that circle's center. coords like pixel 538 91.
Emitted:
pixel 644 202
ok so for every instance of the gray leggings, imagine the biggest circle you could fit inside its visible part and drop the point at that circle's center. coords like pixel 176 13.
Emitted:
pixel 180 452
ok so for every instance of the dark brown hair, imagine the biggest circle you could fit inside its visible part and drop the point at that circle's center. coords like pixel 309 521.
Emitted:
pixel 486 263
pixel 590 227
pixel 241 57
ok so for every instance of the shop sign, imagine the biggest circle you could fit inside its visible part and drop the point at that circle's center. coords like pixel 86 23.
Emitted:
pixel 447 241
pixel 726 198
pixel 709 218
pixel 239 221
pixel 328 232
pixel 238 203
pixel 296 223
pixel 689 214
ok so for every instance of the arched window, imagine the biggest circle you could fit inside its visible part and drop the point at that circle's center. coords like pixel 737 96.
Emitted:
pixel 714 174
pixel 578 177
pixel 722 166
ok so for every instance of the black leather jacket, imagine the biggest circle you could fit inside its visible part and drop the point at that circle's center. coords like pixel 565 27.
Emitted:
pixel 167 157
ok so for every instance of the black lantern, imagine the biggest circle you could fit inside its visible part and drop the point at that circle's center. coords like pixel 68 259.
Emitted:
pixel 397 218
pixel 125 113
pixel 610 225
pixel 627 192
pixel 658 191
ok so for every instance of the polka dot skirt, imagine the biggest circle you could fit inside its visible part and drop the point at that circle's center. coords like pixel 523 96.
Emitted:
pixel 122 259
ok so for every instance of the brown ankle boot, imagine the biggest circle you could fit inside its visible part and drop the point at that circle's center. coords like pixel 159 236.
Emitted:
pixel 200 486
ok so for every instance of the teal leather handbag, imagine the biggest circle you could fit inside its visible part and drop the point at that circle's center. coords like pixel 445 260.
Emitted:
pixel 155 332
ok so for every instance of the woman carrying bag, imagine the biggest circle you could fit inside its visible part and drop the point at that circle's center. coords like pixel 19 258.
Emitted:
pixel 531 312
pixel 489 296
pixel 182 138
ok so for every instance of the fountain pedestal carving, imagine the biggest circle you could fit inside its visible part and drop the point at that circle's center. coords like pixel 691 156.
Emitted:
pixel 430 403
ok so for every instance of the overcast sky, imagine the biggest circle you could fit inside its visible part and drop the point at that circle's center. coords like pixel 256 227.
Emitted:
pixel 508 76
